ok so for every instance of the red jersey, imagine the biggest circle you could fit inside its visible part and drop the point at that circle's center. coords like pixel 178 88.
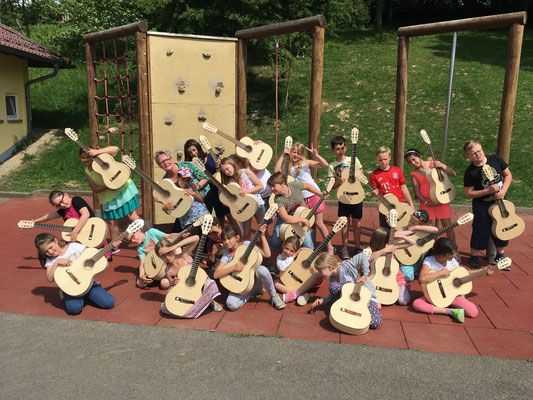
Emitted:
pixel 389 181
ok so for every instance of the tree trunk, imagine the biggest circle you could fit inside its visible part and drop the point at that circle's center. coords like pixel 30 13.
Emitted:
pixel 379 15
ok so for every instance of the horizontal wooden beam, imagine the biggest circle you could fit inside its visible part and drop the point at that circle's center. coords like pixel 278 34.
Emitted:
pixel 489 22
pixel 119 31
pixel 297 25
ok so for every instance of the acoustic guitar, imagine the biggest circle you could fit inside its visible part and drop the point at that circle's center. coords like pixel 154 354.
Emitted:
pixel 441 188
pixel 114 173
pixel 390 202
pixel 206 146
pixel 506 224
pixel 442 291
pixel 302 268
pixel 77 278
pixel 250 257
pixel 351 191
pixel 92 234
pixel 385 270
pixel 284 167
pixel 191 279
pixel 350 313
pixel 257 153
pixel 165 192
pixel 425 241
pixel 242 207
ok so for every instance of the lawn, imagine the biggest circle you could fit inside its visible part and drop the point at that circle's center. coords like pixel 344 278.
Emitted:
pixel 359 90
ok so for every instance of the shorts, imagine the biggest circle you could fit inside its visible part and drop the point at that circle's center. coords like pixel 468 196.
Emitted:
pixel 313 201
pixel 350 210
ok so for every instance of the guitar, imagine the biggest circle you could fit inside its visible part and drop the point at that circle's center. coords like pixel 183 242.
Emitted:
pixel 250 257
pixel 92 234
pixel 385 270
pixel 442 291
pixel 114 173
pixel 425 241
pixel 298 229
pixel 351 191
pixel 257 153
pixel 191 279
pixel 242 207
pixel 284 167
pixel 302 268
pixel 350 313
pixel 77 278
pixel 390 202
pixel 165 191
pixel 206 146
pixel 442 190
pixel 507 225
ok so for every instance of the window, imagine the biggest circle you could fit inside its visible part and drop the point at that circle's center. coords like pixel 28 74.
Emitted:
pixel 11 108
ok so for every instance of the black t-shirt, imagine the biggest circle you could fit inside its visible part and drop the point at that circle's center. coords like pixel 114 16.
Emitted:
pixel 77 203
pixel 475 178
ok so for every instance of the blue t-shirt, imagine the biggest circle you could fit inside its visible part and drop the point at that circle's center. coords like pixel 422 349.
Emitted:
pixel 349 271
pixel 151 234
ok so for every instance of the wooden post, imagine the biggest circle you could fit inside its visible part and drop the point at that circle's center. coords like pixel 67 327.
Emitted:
pixel 401 101
pixel 317 74
pixel 241 89
pixel 145 137
pixel 281 28
pixel 510 86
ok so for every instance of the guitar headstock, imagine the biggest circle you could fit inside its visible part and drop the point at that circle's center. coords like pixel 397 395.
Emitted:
pixel 206 146
pixel 209 128
pixel 330 185
pixel 135 226
pixel 425 137
pixel 199 221
pixel 367 251
pixel 465 219
pixel 197 162
pixel 355 135
pixel 25 224
pixel 71 134
pixel 488 172
pixel 272 210
pixel 504 263
pixel 207 223
pixel 129 161
pixel 288 142
pixel 339 224
pixel 393 218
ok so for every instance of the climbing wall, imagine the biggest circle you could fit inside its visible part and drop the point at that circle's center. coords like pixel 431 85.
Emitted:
pixel 192 79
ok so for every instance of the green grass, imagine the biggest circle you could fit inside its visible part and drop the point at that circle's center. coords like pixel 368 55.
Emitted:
pixel 359 90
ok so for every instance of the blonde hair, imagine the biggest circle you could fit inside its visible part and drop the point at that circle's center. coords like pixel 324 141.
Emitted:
pixel 293 241
pixel 299 148
pixel 237 163
pixel 468 146
pixel 327 261
pixel 383 149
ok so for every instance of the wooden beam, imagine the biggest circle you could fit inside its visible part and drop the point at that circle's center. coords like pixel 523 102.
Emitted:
pixel 241 89
pixel 510 87
pixel 91 101
pixel 401 101
pixel 488 22
pixel 297 25
pixel 317 75
pixel 145 137
pixel 119 31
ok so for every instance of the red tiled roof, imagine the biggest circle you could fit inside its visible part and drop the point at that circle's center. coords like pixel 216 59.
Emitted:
pixel 15 43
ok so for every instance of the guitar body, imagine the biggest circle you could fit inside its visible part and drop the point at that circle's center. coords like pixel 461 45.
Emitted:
pixel 410 255
pixel 404 210
pixel 442 292
pixel 243 208
pixel 288 230
pixel 440 191
pixel 77 279
pixel 182 297
pixel 387 289
pixel 260 155
pixel 506 228
pixel 351 316
pixel 114 173
pixel 92 234
pixel 241 282
pixel 297 274
pixel 154 267
pixel 350 192
pixel 180 200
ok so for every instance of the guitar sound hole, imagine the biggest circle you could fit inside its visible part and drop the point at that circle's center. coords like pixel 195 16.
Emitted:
pixel 190 281
pixel 88 263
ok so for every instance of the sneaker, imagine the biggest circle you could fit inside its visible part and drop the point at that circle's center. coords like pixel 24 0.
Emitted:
pixel 216 307
pixel 345 255
pixel 498 258
pixel 474 262
pixel 277 302
pixel 289 297
pixel 458 314
pixel 303 299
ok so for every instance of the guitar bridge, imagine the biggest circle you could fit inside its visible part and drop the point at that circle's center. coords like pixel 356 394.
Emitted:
pixel 178 203
pixel 183 300
pixel 73 277
pixel 351 312
pixel 236 277
pixel 509 228
pixel 260 156
pixel 116 175
pixel 295 277
pixel 446 191
pixel 383 289
pixel 441 289
pixel 351 193
pixel 240 211
pixel 91 233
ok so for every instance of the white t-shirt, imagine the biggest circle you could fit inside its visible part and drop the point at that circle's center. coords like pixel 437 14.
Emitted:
pixel 263 176
pixel 434 265
pixel 72 252
pixel 282 262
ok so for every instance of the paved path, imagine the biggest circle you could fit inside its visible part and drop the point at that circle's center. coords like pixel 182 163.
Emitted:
pixel 47 358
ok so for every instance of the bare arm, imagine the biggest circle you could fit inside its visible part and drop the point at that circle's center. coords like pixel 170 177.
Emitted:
pixel 405 191
pixel 189 243
pixel 265 248
pixel 222 270
pixel 471 193
pixel 507 179
pixel 258 185
pixel 46 217
pixel 112 150
pixel 290 219
pixel 312 189
pixel 84 216
pixel 279 163
pixel 427 275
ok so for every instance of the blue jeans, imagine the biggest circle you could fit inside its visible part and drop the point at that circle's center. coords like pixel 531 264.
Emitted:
pixel 263 279
pixel 97 295
pixel 275 241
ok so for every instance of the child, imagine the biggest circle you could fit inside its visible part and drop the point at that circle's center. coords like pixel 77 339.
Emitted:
pixel 350 211
pixel 483 195
pixel 263 279
pixel 439 214
pixel 235 169
pixel 439 265
pixel 198 208
pixel 388 178
pixel 53 254
pixel 176 256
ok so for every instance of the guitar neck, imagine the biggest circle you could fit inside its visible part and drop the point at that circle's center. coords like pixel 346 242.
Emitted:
pixel 197 258
pixel 430 236
pixel 250 247
pixel 107 248
pixel 352 165
pixel 473 275
pixel 439 172
pixel 219 186
pixel 285 165
pixel 313 210
pixel 149 179
pixel 234 141
pixel 356 293
pixel 321 247
pixel 54 227
pixel 501 206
